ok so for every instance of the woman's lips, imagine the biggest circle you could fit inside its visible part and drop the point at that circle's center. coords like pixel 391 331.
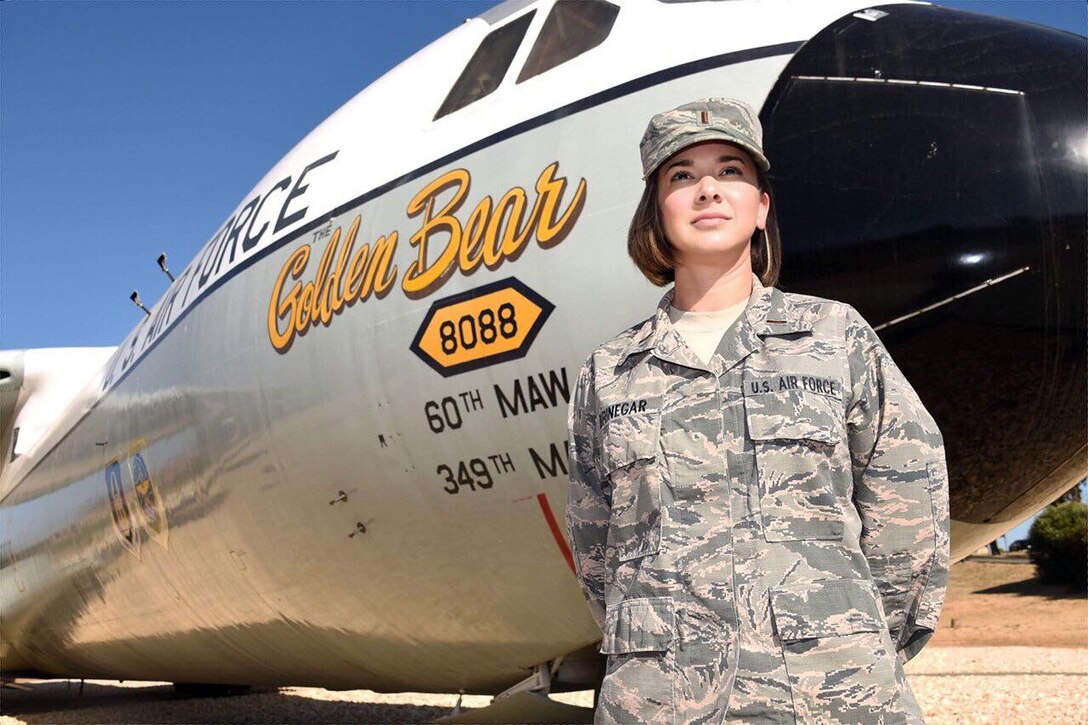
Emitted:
pixel 710 221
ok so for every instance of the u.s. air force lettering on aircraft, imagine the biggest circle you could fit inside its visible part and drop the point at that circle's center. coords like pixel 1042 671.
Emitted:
pixel 490 235
pixel 246 235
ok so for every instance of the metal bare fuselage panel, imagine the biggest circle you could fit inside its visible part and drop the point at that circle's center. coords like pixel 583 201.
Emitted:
pixel 265 575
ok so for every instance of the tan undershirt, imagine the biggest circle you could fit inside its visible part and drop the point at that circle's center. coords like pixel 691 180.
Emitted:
pixel 702 331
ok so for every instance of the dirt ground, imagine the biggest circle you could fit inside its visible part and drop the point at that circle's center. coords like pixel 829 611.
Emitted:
pixel 997 601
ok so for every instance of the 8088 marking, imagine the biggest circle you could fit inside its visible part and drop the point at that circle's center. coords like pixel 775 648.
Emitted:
pixel 469 330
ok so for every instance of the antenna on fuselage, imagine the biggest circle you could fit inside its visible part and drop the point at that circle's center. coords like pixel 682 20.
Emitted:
pixel 135 297
pixel 162 266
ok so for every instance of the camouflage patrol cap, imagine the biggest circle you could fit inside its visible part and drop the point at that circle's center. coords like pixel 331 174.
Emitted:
pixel 708 119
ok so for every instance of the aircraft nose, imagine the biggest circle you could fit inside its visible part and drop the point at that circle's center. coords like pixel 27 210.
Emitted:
pixel 930 167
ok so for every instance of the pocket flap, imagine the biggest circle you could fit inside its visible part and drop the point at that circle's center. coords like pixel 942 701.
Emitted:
pixel 639 625
pixel 628 438
pixel 773 418
pixel 825 608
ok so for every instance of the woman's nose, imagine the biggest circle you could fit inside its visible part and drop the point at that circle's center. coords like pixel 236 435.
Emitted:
pixel 708 189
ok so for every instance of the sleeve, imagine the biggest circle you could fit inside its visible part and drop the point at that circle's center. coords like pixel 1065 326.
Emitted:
pixel 900 489
pixel 587 504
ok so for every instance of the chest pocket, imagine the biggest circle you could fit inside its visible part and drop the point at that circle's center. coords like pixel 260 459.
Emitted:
pixel 628 457
pixel 794 433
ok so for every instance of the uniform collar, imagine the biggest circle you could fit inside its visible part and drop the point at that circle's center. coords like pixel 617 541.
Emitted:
pixel 769 312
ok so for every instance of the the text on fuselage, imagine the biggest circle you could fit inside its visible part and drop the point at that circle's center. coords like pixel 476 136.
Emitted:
pixel 305 295
pixel 271 210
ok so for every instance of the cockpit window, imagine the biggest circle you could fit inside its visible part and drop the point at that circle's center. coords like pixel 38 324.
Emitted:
pixel 571 28
pixel 488 65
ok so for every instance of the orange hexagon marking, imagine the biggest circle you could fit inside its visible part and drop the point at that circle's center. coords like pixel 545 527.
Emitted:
pixel 480 327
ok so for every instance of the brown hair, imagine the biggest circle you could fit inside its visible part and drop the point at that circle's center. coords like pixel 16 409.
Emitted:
pixel 652 253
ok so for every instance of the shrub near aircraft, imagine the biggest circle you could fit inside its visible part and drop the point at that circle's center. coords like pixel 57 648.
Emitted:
pixel 363 486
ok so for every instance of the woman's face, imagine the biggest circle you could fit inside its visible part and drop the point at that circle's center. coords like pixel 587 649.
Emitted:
pixel 710 202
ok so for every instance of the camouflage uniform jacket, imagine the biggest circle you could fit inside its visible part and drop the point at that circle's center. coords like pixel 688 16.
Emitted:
pixel 764 537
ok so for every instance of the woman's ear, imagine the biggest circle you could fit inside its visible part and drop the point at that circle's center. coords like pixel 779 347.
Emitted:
pixel 764 209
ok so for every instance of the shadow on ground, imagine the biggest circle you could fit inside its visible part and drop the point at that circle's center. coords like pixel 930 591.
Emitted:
pixel 1034 588
pixel 59 703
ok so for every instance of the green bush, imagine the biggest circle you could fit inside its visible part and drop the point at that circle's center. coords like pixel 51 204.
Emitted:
pixel 1059 544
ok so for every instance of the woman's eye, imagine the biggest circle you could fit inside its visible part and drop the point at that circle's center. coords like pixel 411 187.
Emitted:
pixel 677 176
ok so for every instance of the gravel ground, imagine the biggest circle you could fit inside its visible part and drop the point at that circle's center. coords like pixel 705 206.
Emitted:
pixel 1001 684
pixel 953 685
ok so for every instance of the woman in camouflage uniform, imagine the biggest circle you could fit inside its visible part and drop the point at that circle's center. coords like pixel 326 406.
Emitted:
pixel 760 531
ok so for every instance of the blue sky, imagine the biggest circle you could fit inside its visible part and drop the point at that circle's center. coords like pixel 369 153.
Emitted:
pixel 128 129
